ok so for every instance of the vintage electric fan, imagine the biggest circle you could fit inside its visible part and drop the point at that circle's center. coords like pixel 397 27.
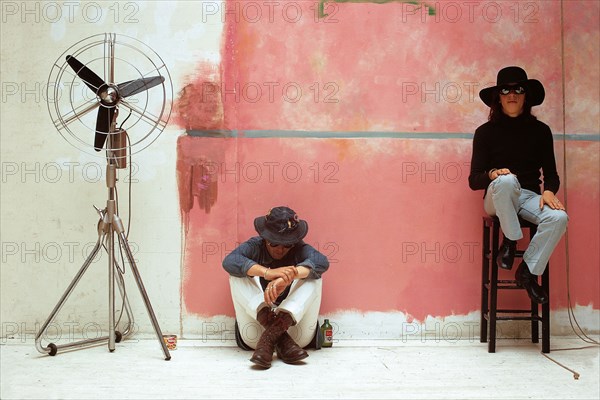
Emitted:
pixel 109 95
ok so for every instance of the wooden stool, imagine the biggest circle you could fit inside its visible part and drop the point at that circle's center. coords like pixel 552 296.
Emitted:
pixel 490 287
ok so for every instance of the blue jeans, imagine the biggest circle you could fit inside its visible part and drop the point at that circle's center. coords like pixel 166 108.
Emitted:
pixel 506 200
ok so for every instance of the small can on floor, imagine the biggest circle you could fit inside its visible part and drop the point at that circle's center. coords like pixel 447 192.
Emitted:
pixel 170 341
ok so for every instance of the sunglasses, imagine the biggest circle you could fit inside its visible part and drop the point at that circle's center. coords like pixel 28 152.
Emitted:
pixel 516 89
pixel 287 246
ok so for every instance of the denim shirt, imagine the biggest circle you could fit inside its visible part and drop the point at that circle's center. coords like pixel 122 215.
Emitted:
pixel 254 251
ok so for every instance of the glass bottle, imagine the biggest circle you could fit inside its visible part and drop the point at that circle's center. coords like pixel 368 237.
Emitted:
pixel 327 334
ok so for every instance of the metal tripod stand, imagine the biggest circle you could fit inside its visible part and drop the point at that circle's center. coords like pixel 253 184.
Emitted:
pixel 109 225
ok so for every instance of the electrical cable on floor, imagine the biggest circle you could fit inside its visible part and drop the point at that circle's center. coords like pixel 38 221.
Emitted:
pixel 572 320
pixel 575 373
pixel 571 313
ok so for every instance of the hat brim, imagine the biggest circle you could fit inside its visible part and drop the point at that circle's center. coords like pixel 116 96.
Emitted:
pixel 289 238
pixel 534 91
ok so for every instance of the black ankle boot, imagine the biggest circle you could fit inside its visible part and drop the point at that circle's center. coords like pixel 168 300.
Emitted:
pixel 506 254
pixel 527 280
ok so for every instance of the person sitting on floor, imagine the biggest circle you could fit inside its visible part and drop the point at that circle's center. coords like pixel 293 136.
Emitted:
pixel 275 281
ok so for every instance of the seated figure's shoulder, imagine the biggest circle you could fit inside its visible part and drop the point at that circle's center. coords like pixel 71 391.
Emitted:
pixel 255 240
pixel 485 129
pixel 541 124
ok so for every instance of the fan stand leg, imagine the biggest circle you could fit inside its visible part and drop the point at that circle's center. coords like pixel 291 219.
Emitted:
pixel 109 224
pixel 142 289
pixel 111 287
pixel 63 299
pixel 117 227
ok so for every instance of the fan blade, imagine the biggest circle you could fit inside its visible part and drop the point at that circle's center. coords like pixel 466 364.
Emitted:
pixel 103 122
pixel 93 81
pixel 130 88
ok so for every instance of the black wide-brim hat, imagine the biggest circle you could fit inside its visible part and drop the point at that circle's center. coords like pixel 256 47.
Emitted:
pixel 281 225
pixel 534 90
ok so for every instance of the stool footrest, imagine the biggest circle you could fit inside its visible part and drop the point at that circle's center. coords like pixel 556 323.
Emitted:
pixel 518 254
pixel 518 311
pixel 509 286
pixel 535 318
pixel 513 317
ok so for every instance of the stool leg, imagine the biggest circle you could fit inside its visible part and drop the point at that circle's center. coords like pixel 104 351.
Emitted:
pixel 535 325
pixel 494 288
pixel 485 276
pixel 546 312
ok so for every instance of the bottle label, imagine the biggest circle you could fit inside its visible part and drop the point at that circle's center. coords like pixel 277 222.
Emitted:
pixel 327 334
pixel 328 337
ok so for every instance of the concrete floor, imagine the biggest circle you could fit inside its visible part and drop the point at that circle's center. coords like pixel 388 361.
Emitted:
pixel 349 370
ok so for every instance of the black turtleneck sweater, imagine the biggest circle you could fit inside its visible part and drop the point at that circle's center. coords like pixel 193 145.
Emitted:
pixel 523 145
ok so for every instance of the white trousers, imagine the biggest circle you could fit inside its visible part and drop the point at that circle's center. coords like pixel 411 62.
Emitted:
pixel 506 200
pixel 302 303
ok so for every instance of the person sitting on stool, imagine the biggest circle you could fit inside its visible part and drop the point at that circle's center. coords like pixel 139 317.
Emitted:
pixel 509 151
pixel 275 281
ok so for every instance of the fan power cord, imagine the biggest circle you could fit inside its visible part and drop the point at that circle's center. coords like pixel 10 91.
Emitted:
pixel 572 320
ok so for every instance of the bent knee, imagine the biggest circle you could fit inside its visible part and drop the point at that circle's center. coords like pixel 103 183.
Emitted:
pixel 559 219
pixel 509 179
pixel 562 217
pixel 505 184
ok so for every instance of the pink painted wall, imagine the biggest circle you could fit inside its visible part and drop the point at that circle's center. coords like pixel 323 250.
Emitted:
pixel 375 152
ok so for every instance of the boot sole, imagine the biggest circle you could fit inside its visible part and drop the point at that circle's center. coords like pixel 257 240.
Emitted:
pixel 261 363
pixel 292 360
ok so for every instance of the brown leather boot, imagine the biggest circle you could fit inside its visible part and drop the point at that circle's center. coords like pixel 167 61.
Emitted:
pixel 263 355
pixel 265 316
pixel 287 349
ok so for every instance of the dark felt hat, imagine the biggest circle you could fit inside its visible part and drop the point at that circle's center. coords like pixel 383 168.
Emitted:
pixel 281 225
pixel 534 90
